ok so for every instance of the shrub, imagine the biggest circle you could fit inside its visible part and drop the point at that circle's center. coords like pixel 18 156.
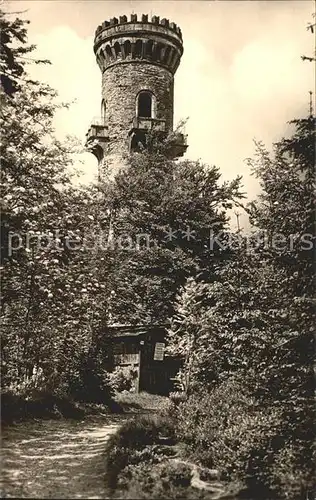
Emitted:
pixel 158 480
pixel 122 379
pixel 177 474
pixel 15 408
pixel 292 476
pixel 177 397
pixel 45 394
pixel 91 383
pixel 128 445
pixel 170 407
pixel 228 430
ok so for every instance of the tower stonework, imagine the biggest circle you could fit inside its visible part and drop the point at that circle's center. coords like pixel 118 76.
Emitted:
pixel 138 60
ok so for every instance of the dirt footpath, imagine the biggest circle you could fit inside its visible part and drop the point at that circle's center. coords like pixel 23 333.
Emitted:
pixel 56 458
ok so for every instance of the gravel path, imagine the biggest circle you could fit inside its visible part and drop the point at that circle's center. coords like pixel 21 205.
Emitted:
pixel 56 458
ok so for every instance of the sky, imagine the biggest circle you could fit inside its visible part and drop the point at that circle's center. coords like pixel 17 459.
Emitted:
pixel 241 76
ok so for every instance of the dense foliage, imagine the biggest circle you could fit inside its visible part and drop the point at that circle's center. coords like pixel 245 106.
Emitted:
pixel 138 250
pixel 75 259
pixel 161 213
pixel 47 289
pixel 14 52
pixel 252 327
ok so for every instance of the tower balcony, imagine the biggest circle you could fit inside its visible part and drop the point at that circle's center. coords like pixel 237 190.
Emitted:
pixel 97 130
pixel 141 126
pixel 178 145
pixel 148 124
pixel 96 136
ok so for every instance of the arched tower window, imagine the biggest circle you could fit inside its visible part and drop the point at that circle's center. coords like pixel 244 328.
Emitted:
pixel 167 54
pixel 149 48
pixel 103 110
pixel 174 59
pixel 127 48
pixel 108 52
pixel 145 104
pixel 117 49
pixel 138 48
pixel 157 52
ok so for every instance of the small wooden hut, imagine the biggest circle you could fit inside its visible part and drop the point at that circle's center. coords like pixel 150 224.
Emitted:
pixel 142 349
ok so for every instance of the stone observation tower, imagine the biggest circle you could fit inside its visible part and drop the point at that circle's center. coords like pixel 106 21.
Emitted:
pixel 138 59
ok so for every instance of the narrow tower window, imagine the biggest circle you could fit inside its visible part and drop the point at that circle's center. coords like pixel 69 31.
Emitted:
pixel 138 48
pixel 157 52
pixel 167 54
pixel 103 108
pixel 127 48
pixel 117 49
pixel 149 48
pixel 108 52
pixel 145 105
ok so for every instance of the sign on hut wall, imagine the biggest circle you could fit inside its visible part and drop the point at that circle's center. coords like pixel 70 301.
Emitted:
pixel 159 351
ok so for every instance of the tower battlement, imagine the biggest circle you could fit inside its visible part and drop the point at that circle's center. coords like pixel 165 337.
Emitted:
pixel 120 40
pixel 144 20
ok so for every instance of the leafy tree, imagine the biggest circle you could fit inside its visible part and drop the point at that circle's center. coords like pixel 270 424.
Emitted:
pixel 14 51
pixel 285 210
pixel 162 212
pixel 244 330
pixel 253 323
pixel 49 283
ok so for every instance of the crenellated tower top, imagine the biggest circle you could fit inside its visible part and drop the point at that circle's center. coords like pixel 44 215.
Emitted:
pixel 121 40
